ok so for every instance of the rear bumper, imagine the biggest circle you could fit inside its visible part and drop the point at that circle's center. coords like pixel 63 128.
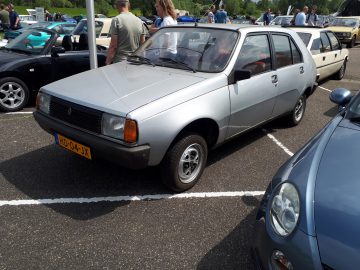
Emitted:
pixel 133 157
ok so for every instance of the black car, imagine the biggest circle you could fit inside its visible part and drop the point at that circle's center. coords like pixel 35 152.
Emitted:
pixel 34 59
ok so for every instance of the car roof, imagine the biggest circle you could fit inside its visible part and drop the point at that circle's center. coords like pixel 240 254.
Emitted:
pixel 307 29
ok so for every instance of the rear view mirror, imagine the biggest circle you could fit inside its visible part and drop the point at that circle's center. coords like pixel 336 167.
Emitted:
pixel 239 75
pixel 341 96
pixel 56 50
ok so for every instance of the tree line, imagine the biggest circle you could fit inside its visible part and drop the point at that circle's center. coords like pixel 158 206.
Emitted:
pixel 195 7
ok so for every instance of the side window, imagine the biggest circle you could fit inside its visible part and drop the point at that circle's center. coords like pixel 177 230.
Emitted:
pixel 316 46
pixel 68 29
pixel 282 51
pixel 335 45
pixel 296 54
pixel 255 54
pixel 325 42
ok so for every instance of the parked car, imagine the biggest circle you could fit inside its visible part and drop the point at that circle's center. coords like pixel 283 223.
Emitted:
pixel 282 20
pixel 347 30
pixel 260 20
pixel 102 29
pixel 168 105
pixel 309 215
pixel 26 65
pixel 145 20
pixel 186 19
pixel 64 18
pixel 329 56
pixel 62 28
pixel 26 20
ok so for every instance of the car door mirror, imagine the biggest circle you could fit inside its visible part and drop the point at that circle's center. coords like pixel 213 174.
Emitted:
pixel 341 96
pixel 239 75
pixel 56 50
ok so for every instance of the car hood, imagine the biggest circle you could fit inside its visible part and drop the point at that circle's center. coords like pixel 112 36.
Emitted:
pixel 337 207
pixel 340 28
pixel 123 87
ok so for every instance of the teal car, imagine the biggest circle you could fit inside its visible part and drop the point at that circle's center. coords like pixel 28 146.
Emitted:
pixel 62 28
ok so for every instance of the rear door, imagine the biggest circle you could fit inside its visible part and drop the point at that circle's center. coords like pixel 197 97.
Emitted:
pixel 337 55
pixel 290 73
pixel 252 100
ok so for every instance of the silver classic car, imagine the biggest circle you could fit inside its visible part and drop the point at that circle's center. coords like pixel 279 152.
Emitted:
pixel 186 90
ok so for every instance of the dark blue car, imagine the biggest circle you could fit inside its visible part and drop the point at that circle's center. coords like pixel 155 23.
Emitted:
pixel 309 217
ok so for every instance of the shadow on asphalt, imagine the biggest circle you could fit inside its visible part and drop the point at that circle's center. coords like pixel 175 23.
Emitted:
pixel 233 252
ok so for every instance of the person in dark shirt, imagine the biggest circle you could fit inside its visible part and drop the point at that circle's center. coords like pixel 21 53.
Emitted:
pixel 14 18
pixel 221 15
pixel 267 17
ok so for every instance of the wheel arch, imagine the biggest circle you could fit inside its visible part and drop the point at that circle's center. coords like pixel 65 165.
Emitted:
pixel 19 76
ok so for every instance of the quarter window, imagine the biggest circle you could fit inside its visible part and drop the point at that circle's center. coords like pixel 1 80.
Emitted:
pixel 255 54
pixel 334 41
pixel 282 51
pixel 325 43
pixel 296 55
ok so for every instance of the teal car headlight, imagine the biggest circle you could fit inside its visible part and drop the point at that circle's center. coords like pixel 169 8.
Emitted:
pixel 112 126
pixel 285 209
pixel 43 102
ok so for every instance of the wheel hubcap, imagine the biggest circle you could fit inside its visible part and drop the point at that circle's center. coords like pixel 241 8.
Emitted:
pixel 190 163
pixel 11 95
pixel 299 109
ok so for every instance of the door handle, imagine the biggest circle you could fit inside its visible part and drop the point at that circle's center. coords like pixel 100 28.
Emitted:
pixel 324 57
pixel 274 78
pixel 301 70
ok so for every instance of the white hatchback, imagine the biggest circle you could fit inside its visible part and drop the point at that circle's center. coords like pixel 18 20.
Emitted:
pixel 329 56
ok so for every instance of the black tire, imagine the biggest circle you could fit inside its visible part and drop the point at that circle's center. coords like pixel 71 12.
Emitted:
pixel 14 94
pixel 352 42
pixel 341 72
pixel 297 114
pixel 184 163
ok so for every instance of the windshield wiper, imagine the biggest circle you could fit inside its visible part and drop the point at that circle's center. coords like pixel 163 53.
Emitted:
pixel 170 60
pixel 141 58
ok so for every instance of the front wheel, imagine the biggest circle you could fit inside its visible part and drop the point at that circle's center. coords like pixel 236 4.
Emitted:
pixel 14 94
pixel 352 42
pixel 184 162
pixel 297 114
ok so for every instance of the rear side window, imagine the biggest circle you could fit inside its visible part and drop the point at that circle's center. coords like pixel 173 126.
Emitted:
pixel 282 51
pixel 316 46
pixel 296 54
pixel 255 54
pixel 325 43
pixel 335 45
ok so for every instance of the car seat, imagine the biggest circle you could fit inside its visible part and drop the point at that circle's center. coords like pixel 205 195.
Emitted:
pixel 83 42
pixel 67 43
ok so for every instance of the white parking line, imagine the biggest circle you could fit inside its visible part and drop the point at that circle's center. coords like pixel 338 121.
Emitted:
pixel 11 113
pixel 323 88
pixel 134 198
pixel 283 147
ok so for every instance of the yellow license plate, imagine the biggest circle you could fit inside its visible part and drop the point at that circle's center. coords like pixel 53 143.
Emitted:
pixel 73 146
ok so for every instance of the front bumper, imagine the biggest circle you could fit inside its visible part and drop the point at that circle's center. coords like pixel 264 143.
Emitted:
pixel 133 157
pixel 300 249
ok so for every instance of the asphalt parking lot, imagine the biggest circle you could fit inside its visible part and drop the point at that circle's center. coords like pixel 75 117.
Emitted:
pixel 60 211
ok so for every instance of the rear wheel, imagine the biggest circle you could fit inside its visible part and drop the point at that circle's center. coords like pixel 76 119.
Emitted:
pixel 297 114
pixel 14 94
pixel 341 72
pixel 184 162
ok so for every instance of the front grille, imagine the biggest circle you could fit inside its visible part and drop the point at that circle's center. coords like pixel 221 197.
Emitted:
pixel 77 115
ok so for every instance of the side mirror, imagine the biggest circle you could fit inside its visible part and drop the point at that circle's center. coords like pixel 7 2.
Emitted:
pixel 56 50
pixel 239 75
pixel 341 96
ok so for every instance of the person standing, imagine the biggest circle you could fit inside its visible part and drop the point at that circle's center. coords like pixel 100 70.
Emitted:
pixel 211 16
pixel 312 18
pixel 300 18
pixel 221 15
pixel 14 18
pixel 127 33
pixel 4 17
pixel 267 17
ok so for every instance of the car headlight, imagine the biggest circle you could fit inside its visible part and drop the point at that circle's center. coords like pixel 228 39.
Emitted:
pixel 347 35
pixel 43 102
pixel 285 209
pixel 119 127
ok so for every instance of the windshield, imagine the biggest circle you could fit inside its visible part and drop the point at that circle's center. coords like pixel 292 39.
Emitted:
pixel 344 22
pixel 200 49
pixel 81 28
pixel 31 41
pixel 281 21
pixel 354 110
